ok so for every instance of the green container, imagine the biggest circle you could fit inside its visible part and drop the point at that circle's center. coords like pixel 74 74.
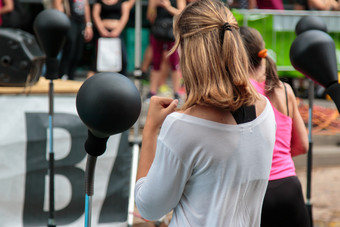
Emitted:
pixel 130 46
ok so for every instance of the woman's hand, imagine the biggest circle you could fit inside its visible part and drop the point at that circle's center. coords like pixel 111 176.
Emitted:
pixel 165 4
pixel 88 34
pixel 104 32
pixel 151 14
pixel 159 108
pixel 115 33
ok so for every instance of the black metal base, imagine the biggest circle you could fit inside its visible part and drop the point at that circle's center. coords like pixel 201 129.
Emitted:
pixel 309 210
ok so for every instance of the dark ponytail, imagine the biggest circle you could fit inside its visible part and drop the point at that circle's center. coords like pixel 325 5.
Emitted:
pixel 272 78
pixel 254 45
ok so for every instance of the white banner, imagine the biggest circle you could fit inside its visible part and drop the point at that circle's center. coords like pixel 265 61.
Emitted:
pixel 24 154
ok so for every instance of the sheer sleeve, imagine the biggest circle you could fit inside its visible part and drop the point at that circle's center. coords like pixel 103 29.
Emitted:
pixel 160 191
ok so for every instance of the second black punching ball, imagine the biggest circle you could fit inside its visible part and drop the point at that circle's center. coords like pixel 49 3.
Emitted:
pixel 313 54
pixel 310 23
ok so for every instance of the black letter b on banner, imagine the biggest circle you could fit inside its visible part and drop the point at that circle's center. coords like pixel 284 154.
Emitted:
pixel 37 166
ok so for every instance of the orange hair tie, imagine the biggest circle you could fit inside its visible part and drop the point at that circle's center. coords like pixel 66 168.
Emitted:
pixel 262 53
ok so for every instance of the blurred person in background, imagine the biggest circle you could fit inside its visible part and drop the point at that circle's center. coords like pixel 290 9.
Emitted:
pixel 327 5
pixel 110 18
pixel 161 12
pixel 80 31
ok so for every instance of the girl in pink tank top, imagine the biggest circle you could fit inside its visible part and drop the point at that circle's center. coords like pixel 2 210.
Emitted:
pixel 283 204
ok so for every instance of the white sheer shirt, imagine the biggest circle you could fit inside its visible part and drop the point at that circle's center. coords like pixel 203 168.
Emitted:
pixel 210 174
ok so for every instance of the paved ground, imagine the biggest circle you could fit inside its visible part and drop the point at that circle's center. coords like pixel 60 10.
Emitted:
pixel 325 197
pixel 325 182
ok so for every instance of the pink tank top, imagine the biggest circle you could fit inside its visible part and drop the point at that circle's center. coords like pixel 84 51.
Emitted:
pixel 282 164
pixel 270 4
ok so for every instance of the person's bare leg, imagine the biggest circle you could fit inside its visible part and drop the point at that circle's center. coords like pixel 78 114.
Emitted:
pixel 176 80
pixel 147 59
pixel 165 69
pixel 154 81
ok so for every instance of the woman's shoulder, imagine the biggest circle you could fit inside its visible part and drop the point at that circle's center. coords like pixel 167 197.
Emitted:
pixel 289 89
pixel 290 95
pixel 264 110
pixel 283 89
pixel 261 105
pixel 283 95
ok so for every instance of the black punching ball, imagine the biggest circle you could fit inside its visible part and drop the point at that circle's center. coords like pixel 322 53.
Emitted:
pixel 313 54
pixel 108 103
pixel 51 27
pixel 310 23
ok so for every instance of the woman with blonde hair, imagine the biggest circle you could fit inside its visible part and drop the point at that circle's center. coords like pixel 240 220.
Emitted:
pixel 211 159
pixel 283 204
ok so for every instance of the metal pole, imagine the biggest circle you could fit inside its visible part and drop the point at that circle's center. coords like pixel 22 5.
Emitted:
pixel 135 154
pixel 138 29
pixel 51 219
pixel 310 150
pixel 88 210
pixel 89 187
pixel 137 75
